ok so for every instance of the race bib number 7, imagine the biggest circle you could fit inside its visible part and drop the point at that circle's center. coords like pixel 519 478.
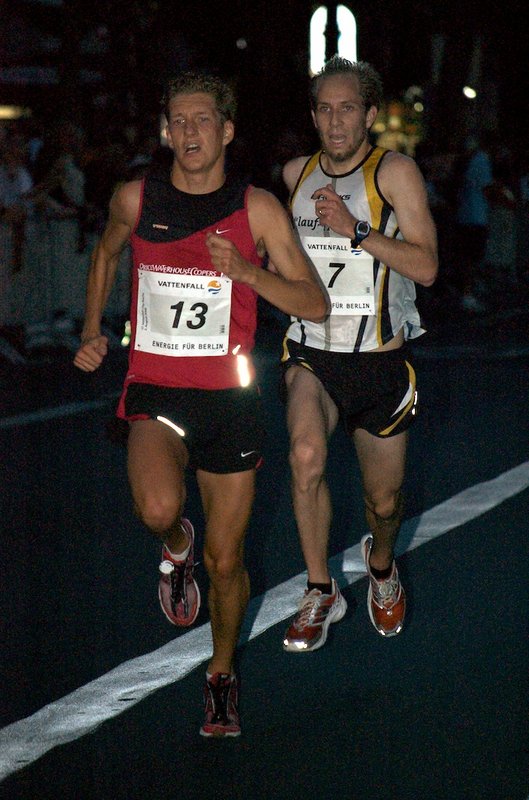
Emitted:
pixel 347 274
pixel 181 315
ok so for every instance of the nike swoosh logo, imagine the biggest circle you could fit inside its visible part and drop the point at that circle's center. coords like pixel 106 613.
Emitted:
pixel 224 231
pixel 249 453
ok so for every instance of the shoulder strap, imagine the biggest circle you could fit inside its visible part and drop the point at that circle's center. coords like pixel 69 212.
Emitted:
pixel 310 166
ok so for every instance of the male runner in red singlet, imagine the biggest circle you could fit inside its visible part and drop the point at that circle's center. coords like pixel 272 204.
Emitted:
pixel 198 239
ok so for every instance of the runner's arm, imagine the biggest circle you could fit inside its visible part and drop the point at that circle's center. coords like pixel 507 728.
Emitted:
pixel 415 256
pixel 292 285
pixel 105 259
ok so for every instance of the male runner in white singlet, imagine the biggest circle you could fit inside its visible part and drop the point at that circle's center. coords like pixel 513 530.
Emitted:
pixel 363 218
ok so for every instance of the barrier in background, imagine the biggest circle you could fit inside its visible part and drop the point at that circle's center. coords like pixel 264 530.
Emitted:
pixel 46 295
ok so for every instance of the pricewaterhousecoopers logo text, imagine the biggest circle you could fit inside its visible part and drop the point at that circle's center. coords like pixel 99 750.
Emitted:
pixel 188 271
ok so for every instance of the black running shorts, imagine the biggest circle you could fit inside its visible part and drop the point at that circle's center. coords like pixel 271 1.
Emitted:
pixel 223 429
pixel 374 391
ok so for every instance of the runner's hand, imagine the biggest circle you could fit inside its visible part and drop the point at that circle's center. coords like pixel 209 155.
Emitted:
pixel 91 354
pixel 333 212
pixel 226 259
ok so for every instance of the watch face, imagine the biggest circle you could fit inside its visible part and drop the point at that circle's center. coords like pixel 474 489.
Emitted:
pixel 362 228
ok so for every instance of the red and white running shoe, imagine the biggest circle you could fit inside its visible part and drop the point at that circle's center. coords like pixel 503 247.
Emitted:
pixel 178 590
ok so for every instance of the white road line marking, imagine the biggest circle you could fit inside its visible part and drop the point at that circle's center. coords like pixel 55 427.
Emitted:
pixel 81 711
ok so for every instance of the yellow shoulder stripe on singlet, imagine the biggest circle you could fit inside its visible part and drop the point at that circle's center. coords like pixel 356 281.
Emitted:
pixel 373 198
pixel 375 208
pixel 309 167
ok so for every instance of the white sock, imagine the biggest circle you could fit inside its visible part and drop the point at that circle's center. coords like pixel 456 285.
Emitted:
pixel 209 675
pixel 180 556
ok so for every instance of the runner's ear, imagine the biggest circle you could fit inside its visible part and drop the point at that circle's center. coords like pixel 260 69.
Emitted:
pixel 371 116
pixel 229 132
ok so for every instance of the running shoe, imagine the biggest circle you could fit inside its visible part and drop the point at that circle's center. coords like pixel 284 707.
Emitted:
pixel 178 590
pixel 221 699
pixel 386 599
pixel 308 630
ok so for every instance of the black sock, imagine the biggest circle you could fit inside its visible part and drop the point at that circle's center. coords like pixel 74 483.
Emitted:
pixel 381 574
pixel 325 588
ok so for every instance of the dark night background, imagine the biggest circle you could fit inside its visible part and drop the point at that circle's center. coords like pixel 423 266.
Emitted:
pixel 439 713
pixel 108 62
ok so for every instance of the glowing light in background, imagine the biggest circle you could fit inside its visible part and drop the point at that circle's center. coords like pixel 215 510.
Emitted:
pixel 346 36
pixel 125 339
pixel 14 112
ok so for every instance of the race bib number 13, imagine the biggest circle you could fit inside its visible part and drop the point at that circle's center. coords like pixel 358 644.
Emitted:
pixel 180 315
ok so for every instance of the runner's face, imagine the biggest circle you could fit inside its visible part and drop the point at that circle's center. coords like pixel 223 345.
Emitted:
pixel 341 119
pixel 196 133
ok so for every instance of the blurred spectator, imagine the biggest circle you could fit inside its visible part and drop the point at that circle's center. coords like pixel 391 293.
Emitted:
pixel 31 129
pixel 500 273
pixel 438 171
pixel 15 186
pixel 143 156
pixel 59 179
pixel 474 174
pixel 62 266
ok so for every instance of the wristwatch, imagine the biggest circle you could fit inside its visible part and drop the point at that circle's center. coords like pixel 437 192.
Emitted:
pixel 362 229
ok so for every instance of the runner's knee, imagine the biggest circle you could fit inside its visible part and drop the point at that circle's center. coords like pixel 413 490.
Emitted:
pixel 222 566
pixel 307 461
pixel 158 512
pixel 385 512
